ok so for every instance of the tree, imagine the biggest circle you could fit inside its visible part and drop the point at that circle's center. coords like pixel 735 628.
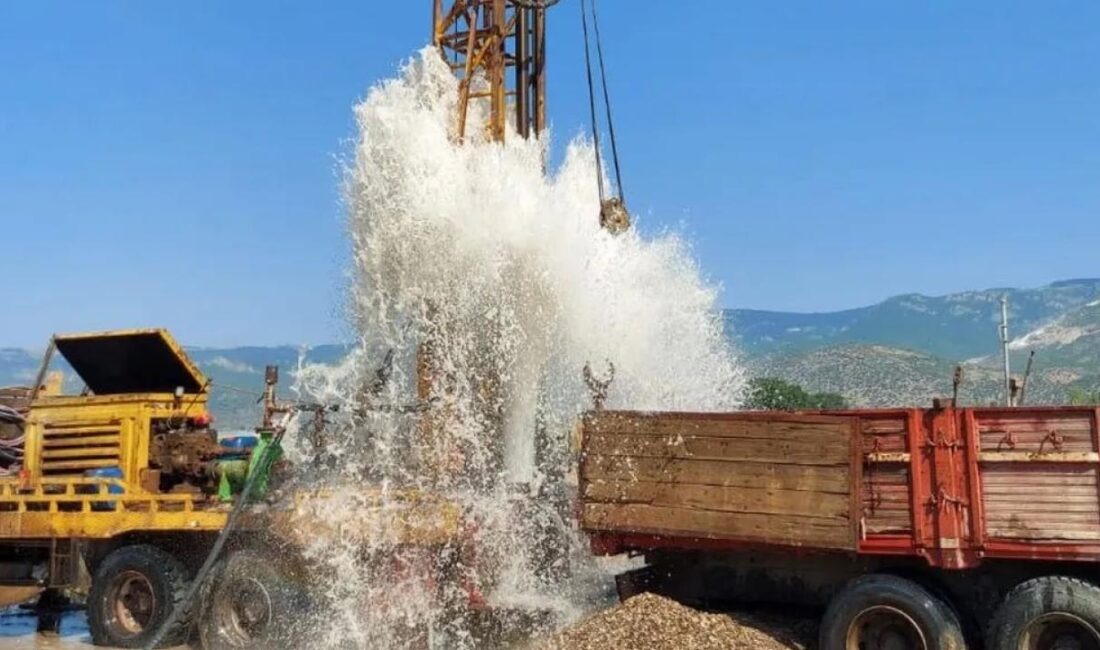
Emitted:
pixel 773 394
pixel 1082 397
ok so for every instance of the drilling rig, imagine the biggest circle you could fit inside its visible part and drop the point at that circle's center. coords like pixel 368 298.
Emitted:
pixel 503 43
pixel 497 48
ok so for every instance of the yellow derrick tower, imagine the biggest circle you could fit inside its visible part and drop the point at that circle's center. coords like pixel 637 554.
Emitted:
pixel 501 43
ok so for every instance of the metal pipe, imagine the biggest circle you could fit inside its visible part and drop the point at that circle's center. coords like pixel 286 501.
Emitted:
pixel 1027 377
pixel 40 378
pixel 1004 350
pixel 437 16
pixel 539 50
pixel 523 71
pixel 956 382
pixel 467 77
pixel 496 70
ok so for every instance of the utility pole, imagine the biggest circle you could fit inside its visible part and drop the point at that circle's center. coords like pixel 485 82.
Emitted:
pixel 1004 350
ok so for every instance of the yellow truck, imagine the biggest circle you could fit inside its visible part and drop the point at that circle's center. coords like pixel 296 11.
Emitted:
pixel 114 476
pixel 123 483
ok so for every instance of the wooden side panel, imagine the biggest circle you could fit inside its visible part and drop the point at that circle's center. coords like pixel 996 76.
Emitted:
pixel 1041 502
pixel 887 434
pixel 1069 431
pixel 886 499
pixel 885 493
pixel 777 479
pixel 1040 476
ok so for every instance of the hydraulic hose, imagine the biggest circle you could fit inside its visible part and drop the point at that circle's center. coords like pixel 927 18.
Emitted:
pixel 219 543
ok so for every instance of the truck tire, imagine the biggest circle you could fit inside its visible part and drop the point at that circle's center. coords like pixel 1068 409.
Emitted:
pixel 251 604
pixel 134 591
pixel 1048 613
pixel 880 612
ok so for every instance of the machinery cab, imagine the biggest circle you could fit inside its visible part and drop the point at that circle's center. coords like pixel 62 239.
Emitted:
pixel 135 409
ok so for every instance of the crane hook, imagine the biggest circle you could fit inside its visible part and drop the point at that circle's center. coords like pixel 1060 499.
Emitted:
pixel 614 216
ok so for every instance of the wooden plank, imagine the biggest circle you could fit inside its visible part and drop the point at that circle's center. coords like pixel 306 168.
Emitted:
pixel 710 524
pixel 1030 433
pixel 887 526
pixel 1023 475
pixel 888 457
pixel 755 500
pixel 733 417
pixel 778 451
pixel 1040 457
pixel 1044 536
pixel 1086 496
pixel 775 478
pixel 886 499
pixel 1043 511
pixel 816 431
pixel 720 473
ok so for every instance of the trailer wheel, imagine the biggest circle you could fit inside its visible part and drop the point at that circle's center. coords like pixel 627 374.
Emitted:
pixel 885 612
pixel 252 604
pixel 1049 613
pixel 133 592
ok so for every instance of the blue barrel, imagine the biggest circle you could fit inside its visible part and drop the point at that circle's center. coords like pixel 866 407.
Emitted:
pixel 240 445
pixel 106 472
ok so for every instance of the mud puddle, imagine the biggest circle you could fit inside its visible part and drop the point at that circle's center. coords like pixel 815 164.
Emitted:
pixel 17 632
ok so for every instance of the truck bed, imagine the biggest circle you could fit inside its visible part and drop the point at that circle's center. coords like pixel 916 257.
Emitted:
pixel 954 486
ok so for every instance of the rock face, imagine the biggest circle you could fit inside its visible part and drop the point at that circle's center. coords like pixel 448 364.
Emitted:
pixel 656 623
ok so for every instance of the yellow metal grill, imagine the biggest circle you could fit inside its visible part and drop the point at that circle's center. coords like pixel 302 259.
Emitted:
pixel 72 449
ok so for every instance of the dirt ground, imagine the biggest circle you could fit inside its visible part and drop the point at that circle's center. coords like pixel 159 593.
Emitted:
pixel 646 621
pixel 657 623
pixel 17 632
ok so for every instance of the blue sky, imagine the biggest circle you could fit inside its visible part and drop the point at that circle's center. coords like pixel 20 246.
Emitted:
pixel 175 163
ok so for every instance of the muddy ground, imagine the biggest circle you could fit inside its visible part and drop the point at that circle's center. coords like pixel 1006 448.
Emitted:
pixel 645 621
pixel 17 632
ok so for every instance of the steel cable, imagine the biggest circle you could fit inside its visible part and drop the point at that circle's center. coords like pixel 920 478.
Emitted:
pixel 592 102
pixel 607 105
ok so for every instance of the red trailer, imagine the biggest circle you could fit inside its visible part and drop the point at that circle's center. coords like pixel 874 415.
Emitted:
pixel 941 528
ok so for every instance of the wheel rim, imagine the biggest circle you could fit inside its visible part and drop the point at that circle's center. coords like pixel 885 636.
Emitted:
pixel 131 603
pixel 884 628
pixel 243 610
pixel 1059 631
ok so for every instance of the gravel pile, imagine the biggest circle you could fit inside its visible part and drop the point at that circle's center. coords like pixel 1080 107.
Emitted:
pixel 656 623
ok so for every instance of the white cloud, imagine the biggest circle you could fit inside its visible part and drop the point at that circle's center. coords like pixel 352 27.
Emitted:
pixel 231 365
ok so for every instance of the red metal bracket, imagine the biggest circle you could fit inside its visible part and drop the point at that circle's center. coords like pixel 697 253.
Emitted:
pixel 941 442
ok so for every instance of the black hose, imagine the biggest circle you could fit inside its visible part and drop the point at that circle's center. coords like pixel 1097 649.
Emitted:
pixel 216 550
pixel 8 414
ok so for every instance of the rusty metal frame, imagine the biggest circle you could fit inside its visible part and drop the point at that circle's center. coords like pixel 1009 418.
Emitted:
pixel 483 39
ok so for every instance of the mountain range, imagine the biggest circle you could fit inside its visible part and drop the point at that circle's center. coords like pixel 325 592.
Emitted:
pixel 902 351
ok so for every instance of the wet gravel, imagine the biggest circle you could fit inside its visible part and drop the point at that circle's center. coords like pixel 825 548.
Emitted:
pixel 656 623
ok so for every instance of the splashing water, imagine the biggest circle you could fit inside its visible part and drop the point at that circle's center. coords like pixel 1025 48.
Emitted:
pixel 494 278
